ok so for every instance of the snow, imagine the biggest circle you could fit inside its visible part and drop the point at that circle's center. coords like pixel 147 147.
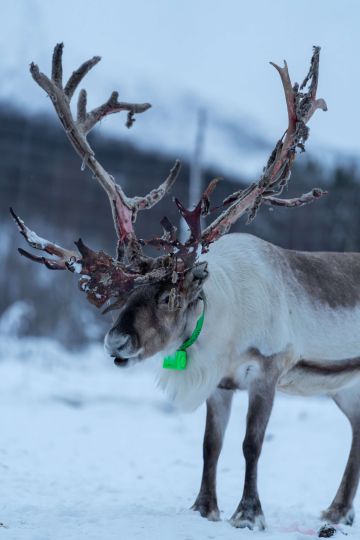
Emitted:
pixel 14 319
pixel 31 237
pixel 90 451
pixel 76 266
pixel 36 240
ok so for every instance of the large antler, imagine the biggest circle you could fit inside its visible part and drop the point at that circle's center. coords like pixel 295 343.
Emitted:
pixel 124 209
pixel 104 277
pixel 301 105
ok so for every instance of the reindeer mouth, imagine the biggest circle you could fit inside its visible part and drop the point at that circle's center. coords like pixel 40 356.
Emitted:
pixel 121 362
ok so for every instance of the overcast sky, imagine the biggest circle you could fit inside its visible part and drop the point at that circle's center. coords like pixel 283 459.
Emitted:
pixel 216 50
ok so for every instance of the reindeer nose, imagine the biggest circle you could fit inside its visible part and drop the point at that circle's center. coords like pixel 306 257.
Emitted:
pixel 114 342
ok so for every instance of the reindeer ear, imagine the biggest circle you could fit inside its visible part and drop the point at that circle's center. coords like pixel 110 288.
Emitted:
pixel 200 271
pixel 194 279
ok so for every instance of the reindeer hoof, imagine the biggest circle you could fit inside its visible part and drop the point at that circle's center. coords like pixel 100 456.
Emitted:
pixel 208 509
pixel 243 520
pixel 249 515
pixel 326 531
pixel 339 514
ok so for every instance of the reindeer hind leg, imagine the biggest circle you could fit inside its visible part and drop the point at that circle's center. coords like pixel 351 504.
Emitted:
pixel 341 509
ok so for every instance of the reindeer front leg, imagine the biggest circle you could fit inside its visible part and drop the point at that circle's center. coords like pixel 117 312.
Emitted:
pixel 218 408
pixel 261 397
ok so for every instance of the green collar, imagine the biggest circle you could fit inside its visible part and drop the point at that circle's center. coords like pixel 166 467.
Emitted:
pixel 179 359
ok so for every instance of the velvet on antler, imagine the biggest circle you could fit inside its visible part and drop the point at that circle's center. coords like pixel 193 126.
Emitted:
pixel 104 277
pixel 301 105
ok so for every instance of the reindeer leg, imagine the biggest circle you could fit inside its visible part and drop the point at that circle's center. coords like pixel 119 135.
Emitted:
pixel 218 408
pixel 341 509
pixel 261 397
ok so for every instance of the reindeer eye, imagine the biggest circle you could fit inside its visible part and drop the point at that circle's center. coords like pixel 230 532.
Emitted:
pixel 164 299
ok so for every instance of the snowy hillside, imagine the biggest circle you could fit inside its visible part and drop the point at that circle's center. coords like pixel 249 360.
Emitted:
pixel 89 451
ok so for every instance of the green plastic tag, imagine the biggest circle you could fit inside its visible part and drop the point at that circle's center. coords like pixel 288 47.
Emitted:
pixel 176 361
pixel 179 359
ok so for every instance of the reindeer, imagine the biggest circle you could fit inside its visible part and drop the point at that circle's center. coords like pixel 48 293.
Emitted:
pixel 273 319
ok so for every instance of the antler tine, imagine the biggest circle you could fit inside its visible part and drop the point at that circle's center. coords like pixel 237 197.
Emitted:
pixel 184 254
pixel 193 217
pixel 124 209
pixel 66 257
pixel 313 76
pixel 102 277
pixel 289 92
pixel 37 242
pixel 56 71
pixel 283 157
pixel 111 106
pixel 168 241
pixel 276 174
pixel 306 198
pixel 51 264
pixel 147 202
pixel 81 107
pixel 77 76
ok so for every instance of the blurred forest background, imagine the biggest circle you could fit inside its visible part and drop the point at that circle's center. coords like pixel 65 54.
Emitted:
pixel 40 177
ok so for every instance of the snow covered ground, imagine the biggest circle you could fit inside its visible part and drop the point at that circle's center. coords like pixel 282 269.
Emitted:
pixel 89 451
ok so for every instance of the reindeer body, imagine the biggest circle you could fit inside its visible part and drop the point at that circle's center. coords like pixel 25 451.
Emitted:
pixel 274 319
pixel 261 301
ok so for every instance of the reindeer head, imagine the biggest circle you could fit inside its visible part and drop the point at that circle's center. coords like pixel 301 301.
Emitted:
pixel 158 298
pixel 145 324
